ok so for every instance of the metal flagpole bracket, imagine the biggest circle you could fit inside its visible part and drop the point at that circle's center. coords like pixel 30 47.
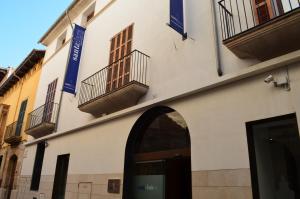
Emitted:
pixel 71 24
pixel 184 35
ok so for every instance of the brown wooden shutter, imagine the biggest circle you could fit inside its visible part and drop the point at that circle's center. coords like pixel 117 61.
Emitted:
pixel 119 69
pixel 263 10
pixel 49 101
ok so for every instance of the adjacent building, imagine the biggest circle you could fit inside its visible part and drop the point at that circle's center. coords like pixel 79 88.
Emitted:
pixel 17 91
pixel 173 99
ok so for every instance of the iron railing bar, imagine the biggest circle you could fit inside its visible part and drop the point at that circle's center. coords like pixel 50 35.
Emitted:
pixel 252 12
pixel 291 5
pixel 232 17
pixel 246 18
pixel 239 17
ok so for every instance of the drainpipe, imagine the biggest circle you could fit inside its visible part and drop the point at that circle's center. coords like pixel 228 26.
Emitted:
pixel 216 38
pixel 65 73
pixel 14 74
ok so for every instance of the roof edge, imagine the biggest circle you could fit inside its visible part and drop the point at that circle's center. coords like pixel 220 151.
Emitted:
pixel 61 17
pixel 5 85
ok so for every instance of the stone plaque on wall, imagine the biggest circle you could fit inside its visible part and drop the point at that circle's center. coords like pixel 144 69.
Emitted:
pixel 114 186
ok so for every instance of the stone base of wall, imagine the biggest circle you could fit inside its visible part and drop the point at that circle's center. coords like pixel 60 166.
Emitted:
pixel 220 184
pixel 13 195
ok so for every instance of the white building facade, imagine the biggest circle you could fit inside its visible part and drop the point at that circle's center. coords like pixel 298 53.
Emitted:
pixel 157 115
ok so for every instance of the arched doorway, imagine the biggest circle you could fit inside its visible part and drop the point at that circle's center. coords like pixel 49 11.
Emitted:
pixel 158 157
pixel 11 169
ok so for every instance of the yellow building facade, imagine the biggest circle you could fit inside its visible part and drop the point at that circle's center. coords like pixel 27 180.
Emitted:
pixel 17 100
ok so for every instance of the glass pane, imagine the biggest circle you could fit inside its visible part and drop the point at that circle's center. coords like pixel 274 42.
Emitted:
pixel 166 132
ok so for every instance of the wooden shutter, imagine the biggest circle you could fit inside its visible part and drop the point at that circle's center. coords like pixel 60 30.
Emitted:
pixel 49 101
pixel 119 69
pixel 21 118
pixel 263 10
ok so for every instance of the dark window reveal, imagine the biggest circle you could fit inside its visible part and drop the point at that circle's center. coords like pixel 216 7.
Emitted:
pixel 37 169
pixel 90 16
pixel 1 158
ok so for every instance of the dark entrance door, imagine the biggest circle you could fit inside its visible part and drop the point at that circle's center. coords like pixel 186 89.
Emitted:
pixel 158 157
pixel 178 177
pixel 11 170
pixel 274 148
pixel 60 179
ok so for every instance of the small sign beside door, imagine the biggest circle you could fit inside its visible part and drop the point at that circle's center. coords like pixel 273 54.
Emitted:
pixel 114 186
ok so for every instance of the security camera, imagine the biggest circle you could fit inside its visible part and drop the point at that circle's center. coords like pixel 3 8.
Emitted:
pixel 269 79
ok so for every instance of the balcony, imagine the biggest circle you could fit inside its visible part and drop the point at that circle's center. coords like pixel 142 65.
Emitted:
pixel 41 121
pixel 260 29
pixel 13 133
pixel 115 87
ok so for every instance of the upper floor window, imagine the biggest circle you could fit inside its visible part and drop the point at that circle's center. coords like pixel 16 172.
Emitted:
pixel 61 40
pixel 88 14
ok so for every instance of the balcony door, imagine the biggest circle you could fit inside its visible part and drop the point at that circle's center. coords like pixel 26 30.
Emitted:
pixel 119 69
pixel 267 9
pixel 47 115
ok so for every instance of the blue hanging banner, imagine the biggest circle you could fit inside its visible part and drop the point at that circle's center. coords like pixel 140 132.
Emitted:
pixel 74 60
pixel 177 16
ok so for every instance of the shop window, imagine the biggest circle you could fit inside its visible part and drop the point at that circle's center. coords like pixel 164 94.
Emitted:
pixel 274 148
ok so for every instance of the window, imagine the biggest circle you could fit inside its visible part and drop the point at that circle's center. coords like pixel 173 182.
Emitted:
pixel 274 148
pixel 88 14
pixel 61 40
pixel 37 169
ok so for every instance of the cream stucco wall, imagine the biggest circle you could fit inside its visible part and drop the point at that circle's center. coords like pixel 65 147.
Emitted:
pixel 216 121
pixel 175 65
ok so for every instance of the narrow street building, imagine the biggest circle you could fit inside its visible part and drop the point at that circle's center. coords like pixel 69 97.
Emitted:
pixel 17 91
pixel 172 99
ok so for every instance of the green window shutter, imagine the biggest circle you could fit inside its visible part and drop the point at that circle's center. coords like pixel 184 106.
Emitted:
pixel 21 117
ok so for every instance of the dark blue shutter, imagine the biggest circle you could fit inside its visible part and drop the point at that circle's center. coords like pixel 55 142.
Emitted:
pixel 176 15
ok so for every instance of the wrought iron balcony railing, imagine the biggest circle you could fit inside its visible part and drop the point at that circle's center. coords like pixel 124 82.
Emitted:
pixel 131 68
pixel 13 133
pixel 238 16
pixel 42 120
